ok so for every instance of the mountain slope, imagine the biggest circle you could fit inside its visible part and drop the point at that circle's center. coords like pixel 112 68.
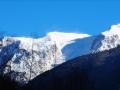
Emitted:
pixel 100 71
pixel 24 58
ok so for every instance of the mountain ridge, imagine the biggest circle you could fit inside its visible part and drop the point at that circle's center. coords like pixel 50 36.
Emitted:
pixel 25 58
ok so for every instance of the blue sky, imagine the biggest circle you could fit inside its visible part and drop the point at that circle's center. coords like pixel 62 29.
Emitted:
pixel 25 17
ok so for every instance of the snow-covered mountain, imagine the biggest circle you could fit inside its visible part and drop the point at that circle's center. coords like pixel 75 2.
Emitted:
pixel 24 58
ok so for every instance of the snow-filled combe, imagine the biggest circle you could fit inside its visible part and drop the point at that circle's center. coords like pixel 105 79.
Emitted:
pixel 62 39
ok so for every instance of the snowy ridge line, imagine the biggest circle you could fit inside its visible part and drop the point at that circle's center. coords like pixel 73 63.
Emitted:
pixel 32 57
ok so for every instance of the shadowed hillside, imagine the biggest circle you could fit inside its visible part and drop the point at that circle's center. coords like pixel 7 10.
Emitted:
pixel 7 84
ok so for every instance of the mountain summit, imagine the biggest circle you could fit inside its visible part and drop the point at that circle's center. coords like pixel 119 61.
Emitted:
pixel 24 58
pixel 108 39
pixel 114 29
